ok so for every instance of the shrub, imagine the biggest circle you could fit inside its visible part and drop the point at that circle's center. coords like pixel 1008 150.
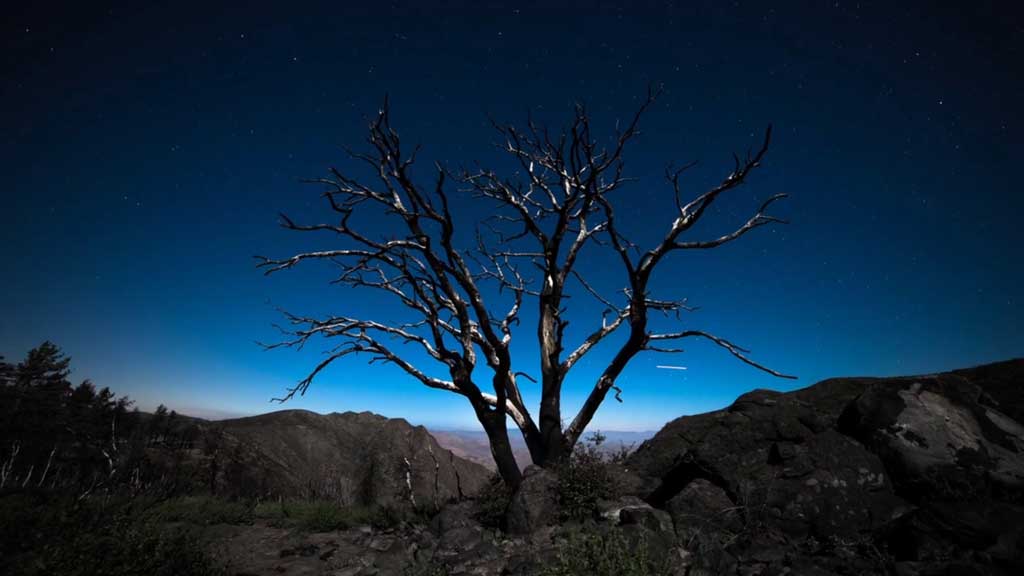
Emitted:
pixel 389 516
pixel 323 516
pixel 133 548
pixel 602 554
pixel 311 515
pixel 274 512
pixel 584 480
pixel 492 503
pixel 60 535
pixel 201 511
pixel 431 568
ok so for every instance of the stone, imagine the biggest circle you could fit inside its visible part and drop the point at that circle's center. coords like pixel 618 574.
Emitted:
pixel 535 503
pixel 452 516
pixel 938 427
pixel 703 506
pixel 381 543
pixel 928 469
pixel 646 516
pixel 609 510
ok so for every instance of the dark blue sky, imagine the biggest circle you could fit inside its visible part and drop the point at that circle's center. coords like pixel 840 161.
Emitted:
pixel 148 150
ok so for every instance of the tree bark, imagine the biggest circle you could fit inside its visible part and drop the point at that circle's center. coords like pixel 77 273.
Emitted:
pixel 633 345
pixel 494 423
pixel 549 331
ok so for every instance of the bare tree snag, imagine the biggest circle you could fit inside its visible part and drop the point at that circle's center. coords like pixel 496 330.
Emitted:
pixel 464 302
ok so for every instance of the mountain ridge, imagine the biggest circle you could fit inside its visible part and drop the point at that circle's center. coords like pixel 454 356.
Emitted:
pixel 352 457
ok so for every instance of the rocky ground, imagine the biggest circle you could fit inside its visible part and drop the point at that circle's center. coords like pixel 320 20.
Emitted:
pixel 454 542
pixel 911 476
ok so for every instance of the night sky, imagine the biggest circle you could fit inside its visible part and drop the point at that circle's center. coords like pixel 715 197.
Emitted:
pixel 148 150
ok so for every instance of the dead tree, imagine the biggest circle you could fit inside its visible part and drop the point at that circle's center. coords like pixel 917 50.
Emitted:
pixel 555 203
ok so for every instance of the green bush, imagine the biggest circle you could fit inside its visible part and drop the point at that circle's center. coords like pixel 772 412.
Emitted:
pixel 389 516
pixel 311 515
pixel 201 511
pixel 48 533
pixel 326 517
pixel 602 554
pixel 132 548
pixel 59 535
pixel 432 568
pixel 584 480
pixel 274 512
pixel 492 503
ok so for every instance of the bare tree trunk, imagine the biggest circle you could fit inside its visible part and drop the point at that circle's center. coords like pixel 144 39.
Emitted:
pixel 47 469
pixel 494 424
pixel 8 466
pixel 633 345
pixel 553 449
pixel 548 333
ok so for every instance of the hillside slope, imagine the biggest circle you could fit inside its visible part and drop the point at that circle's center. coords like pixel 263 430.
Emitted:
pixel 358 458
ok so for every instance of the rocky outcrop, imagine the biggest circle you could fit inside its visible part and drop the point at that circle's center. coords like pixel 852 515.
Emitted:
pixel 940 428
pixel 851 474
pixel 908 476
pixel 354 458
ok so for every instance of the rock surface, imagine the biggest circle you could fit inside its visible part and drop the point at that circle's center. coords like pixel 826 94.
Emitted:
pixel 939 427
pixel 924 471
pixel 909 476
pixel 535 504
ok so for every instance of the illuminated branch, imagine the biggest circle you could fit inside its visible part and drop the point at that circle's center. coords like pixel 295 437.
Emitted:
pixel 732 348
pixel 554 209
pixel 638 274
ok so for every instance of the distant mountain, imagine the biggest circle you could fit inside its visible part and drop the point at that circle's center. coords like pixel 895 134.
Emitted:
pixel 472 444
pixel 353 457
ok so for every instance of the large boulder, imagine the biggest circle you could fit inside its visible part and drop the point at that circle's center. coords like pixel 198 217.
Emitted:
pixel 940 436
pixel 535 503
pixel 611 510
pixel 647 516
pixel 952 451
pixel 925 471
pixel 702 508
pixel 770 455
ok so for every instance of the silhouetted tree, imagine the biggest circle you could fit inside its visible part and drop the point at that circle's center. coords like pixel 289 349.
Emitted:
pixel 213 446
pixel 556 203
pixel 158 425
pixel 10 446
pixel 6 373
pixel 37 415
pixel 51 428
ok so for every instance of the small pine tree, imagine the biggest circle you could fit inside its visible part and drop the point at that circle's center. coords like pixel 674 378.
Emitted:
pixel 45 366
